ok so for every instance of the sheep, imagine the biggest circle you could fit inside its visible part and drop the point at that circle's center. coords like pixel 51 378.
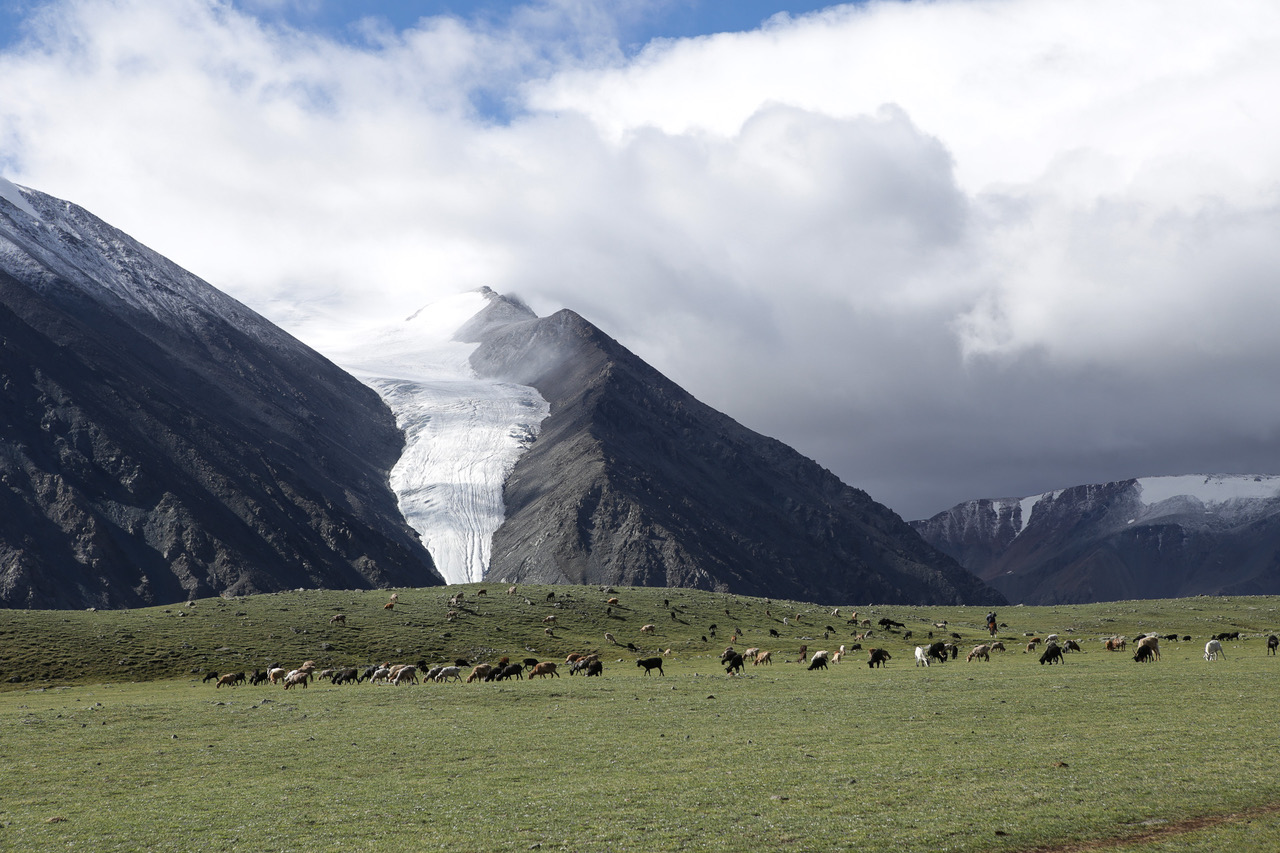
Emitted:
pixel 406 673
pixel 998 646
pixel 544 669
pixel 479 673
pixel 922 656
pixel 549 620
pixel 1213 650
pixel 763 657
pixel 448 672
pixel 611 601
pixel 298 676
pixel 511 590
pixel 983 651
pixel 1052 654
pixel 648 629
pixel 229 679
pixel 651 663
pixel 608 636
pixel 878 657
pixel 1272 642
pixel 338 619
pixel 276 673
pixel 342 676
pixel 395 596
pixel 1052 638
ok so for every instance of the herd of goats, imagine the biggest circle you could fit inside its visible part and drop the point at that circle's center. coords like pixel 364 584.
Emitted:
pixel 1147 649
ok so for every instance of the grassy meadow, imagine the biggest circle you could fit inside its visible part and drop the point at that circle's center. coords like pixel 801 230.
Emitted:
pixel 109 740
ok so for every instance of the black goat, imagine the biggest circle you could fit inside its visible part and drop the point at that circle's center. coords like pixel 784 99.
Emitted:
pixel 651 663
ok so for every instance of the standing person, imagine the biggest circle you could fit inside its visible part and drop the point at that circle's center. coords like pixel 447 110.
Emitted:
pixel 991 622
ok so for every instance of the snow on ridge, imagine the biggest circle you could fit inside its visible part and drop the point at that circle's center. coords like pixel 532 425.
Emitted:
pixel 12 193
pixel 463 433
pixel 1209 489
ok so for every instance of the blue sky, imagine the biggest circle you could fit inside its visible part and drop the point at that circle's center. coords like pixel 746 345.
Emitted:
pixel 948 249
pixel 638 23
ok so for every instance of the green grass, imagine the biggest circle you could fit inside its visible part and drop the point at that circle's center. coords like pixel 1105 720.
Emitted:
pixel 1006 755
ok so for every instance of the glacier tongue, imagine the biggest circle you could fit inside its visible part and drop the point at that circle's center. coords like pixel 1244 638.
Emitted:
pixel 463 434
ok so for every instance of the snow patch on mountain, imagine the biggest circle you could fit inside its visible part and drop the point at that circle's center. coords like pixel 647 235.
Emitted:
pixel 463 434
pixel 1210 490
pixel 11 193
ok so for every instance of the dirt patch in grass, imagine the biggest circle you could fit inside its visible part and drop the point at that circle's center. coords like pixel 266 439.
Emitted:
pixel 1155 834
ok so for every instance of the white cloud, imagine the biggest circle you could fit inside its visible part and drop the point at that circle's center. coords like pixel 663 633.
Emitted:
pixel 948 248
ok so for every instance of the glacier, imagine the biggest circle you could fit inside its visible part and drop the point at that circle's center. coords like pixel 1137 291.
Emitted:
pixel 463 433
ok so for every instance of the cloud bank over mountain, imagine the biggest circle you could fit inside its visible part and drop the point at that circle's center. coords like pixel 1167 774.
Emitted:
pixel 949 249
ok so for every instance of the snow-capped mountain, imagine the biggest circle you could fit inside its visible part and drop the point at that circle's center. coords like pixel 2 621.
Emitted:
pixel 1152 537
pixel 633 481
pixel 463 432
pixel 161 441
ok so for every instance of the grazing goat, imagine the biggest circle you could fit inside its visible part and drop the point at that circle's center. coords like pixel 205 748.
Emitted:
pixel 276 673
pixel 407 673
pixel 610 638
pixel 878 657
pixel 511 670
pixel 209 676
pixel 763 657
pixel 922 656
pixel 938 651
pixel 1116 644
pixel 229 679
pixel 595 667
pixel 984 652
pixel 550 620
pixel 734 662
pixel 511 590
pixel 1143 654
pixel 818 661
pixel 998 646
pixel 1152 643
pixel 651 663
pixel 390 605
pixel 544 669
pixel 648 629
pixel 338 619
pixel 1213 650
pixel 1052 654
pixel 1272 642
pixel 296 677
pixel 482 592
pixel 611 601
pixel 1071 646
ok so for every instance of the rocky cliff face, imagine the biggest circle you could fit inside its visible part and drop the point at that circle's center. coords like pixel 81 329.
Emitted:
pixel 159 441
pixel 633 481
pixel 1159 537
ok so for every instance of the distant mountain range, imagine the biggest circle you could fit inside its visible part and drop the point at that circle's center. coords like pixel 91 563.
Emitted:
pixel 159 441
pixel 1157 537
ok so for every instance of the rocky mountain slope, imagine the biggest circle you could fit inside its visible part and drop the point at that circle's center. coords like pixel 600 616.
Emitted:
pixel 1157 537
pixel 159 441
pixel 633 481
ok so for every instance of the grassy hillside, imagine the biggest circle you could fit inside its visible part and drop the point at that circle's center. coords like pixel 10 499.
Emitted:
pixel 1008 755
pixel 223 635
